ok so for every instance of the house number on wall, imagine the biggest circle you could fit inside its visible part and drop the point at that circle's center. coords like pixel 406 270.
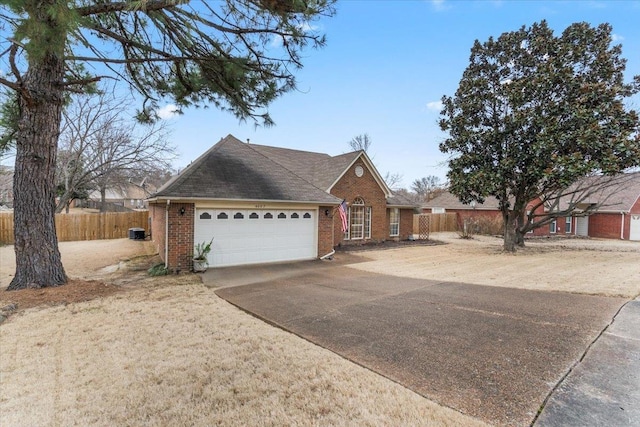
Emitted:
pixel 259 206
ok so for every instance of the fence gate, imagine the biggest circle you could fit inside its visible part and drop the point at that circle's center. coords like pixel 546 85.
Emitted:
pixel 423 227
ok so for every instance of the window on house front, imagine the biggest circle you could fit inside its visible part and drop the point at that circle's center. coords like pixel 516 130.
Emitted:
pixel 253 215
pixel 282 215
pixel 359 221
pixel 553 226
pixel 295 216
pixel 567 224
pixel 238 215
pixel 307 215
pixel 394 222
pixel 205 215
pixel 222 215
pixel 437 210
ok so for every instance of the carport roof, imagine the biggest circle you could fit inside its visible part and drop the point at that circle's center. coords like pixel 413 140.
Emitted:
pixel 234 170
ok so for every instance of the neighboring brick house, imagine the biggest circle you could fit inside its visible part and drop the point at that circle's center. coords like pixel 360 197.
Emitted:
pixel 131 196
pixel 618 217
pixel 446 202
pixel 267 204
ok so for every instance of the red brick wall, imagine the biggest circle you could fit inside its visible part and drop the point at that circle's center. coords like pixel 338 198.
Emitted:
pixel 349 187
pixel 181 227
pixel 325 229
pixel 607 225
pixel 406 223
pixel 157 218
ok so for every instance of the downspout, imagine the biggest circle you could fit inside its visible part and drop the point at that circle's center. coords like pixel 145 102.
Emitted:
pixel 166 236
pixel 622 226
pixel 328 255
pixel 333 237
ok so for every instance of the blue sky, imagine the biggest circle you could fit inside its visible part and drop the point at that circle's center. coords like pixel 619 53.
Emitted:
pixel 384 69
pixel 386 65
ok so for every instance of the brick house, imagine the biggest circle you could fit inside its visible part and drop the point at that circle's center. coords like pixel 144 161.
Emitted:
pixel 264 204
pixel 617 217
pixel 446 202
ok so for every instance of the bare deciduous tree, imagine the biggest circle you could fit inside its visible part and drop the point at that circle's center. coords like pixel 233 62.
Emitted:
pixel 360 142
pixel 99 149
pixel 427 187
pixel 393 180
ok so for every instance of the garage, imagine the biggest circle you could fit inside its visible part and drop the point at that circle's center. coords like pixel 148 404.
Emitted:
pixel 582 226
pixel 242 236
pixel 634 229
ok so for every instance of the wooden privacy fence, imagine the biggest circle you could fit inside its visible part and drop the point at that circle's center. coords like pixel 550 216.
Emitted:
pixel 93 226
pixel 434 222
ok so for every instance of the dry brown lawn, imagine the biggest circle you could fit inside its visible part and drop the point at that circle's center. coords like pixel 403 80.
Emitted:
pixel 588 266
pixel 167 351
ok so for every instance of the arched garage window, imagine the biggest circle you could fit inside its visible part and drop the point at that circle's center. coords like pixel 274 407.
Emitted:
pixel 359 220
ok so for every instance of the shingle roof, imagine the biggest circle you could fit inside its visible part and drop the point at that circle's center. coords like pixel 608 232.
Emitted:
pixel 241 172
pixel 235 170
pixel 400 201
pixel 617 194
pixel 614 198
pixel 320 169
pixel 449 201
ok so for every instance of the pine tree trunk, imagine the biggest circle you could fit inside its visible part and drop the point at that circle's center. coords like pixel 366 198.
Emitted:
pixel 38 262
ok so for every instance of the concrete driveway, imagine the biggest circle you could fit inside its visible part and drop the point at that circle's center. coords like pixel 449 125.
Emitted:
pixel 493 353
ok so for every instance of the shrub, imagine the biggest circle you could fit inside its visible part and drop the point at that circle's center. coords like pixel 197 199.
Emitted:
pixel 158 270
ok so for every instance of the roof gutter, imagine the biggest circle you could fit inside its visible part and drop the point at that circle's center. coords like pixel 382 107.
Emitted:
pixel 178 199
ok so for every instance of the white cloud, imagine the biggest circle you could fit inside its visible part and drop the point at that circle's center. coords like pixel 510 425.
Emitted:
pixel 439 5
pixel 167 112
pixel 434 106
pixel 616 38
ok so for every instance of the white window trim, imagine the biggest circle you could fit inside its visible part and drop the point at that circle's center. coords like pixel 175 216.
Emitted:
pixel 366 220
pixel 568 221
pixel 553 227
pixel 394 212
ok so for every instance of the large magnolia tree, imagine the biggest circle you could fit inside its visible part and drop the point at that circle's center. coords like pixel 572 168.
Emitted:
pixel 236 55
pixel 534 114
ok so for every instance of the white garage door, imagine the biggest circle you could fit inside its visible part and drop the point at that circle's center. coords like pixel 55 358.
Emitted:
pixel 582 226
pixel 256 236
pixel 634 229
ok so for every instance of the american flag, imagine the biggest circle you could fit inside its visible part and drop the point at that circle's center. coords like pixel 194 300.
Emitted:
pixel 342 209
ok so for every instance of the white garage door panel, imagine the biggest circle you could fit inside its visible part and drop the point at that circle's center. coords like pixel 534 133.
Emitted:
pixel 582 226
pixel 634 229
pixel 241 239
